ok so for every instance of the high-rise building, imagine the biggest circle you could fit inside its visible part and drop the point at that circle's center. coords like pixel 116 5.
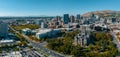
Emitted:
pixel 72 18
pixel 42 25
pixel 38 22
pixel 78 16
pixel 114 20
pixel 58 18
pixel 66 19
pixel 3 30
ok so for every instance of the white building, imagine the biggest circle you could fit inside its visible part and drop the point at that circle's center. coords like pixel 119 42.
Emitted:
pixel 3 30
pixel 13 54
pixel 26 31
pixel 101 27
pixel 7 42
pixel 42 25
pixel 42 33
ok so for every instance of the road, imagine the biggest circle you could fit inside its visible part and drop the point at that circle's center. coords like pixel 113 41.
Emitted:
pixel 32 53
pixel 25 53
pixel 115 40
pixel 39 46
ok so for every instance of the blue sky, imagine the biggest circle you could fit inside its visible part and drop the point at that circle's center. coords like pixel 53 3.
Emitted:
pixel 54 7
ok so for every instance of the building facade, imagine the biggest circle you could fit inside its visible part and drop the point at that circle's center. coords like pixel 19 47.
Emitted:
pixel 3 30
pixel 78 17
pixel 66 18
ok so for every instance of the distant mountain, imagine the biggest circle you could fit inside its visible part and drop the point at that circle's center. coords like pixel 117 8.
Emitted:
pixel 103 13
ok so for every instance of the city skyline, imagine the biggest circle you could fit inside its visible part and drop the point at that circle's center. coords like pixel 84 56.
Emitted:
pixel 59 28
pixel 54 7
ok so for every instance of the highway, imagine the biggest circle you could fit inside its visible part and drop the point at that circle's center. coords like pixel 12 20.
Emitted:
pixel 39 46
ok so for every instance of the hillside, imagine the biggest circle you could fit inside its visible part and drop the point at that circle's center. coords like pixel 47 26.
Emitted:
pixel 104 13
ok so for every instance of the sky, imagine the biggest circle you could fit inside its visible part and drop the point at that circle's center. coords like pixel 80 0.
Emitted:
pixel 54 7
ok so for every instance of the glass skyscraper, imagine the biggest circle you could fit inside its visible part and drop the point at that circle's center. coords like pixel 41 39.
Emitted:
pixel 78 16
pixel 66 18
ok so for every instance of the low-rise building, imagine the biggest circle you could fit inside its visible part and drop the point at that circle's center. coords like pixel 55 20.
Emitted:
pixel 7 42
pixel 26 31
pixel 101 27
pixel 47 33
pixel 13 54
pixel 72 25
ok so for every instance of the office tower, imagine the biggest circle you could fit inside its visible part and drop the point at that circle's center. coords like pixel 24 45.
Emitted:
pixel 58 18
pixel 3 30
pixel 66 19
pixel 72 19
pixel 38 22
pixel 78 16
pixel 42 25
pixel 114 20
